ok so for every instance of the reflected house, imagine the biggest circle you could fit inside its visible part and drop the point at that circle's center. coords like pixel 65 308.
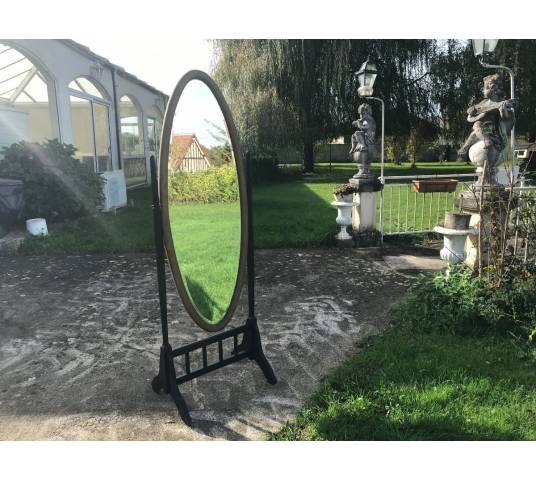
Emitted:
pixel 61 89
pixel 187 154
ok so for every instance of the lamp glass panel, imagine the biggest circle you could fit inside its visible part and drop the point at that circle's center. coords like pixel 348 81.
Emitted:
pixel 489 45
pixel 478 47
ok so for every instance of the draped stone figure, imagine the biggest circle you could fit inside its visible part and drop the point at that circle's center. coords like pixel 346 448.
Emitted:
pixel 492 119
pixel 363 150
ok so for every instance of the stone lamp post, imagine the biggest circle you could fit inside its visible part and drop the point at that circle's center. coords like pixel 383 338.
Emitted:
pixel 364 152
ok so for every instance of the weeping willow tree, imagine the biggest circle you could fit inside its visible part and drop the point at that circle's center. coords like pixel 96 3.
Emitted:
pixel 300 92
pixel 264 121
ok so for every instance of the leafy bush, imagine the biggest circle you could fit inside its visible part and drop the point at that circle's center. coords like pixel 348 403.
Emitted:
pixel 441 303
pixel 57 186
pixel 512 307
pixel 465 304
pixel 215 185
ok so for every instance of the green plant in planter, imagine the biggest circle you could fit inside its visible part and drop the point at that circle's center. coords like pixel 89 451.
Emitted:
pixel 344 189
pixel 57 186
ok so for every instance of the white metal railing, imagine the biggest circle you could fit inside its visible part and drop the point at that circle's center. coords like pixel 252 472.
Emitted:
pixel 135 169
pixel 524 235
pixel 405 211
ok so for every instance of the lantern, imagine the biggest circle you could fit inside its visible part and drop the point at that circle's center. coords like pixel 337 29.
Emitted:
pixel 366 76
pixel 482 48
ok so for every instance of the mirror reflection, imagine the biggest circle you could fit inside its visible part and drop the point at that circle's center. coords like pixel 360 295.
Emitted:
pixel 203 201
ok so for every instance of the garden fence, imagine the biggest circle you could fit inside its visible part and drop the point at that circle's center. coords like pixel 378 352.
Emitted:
pixel 524 223
pixel 135 170
pixel 403 211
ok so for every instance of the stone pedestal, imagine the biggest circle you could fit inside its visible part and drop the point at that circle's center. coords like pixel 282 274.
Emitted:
pixel 454 231
pixel 491 198
pixel 471 243
pixel 364 212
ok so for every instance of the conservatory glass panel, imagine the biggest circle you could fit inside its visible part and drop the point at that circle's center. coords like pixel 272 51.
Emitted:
pixel 82 123
pixel 37 89
pixel 102 138
pixel 85 85
pixel 132 145
pixel 131 132
pixel 151 136
pixel 75 86
pixel 25 109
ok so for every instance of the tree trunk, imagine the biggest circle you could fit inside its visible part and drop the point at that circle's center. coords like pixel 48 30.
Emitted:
pixel 308 157
pixel 532 135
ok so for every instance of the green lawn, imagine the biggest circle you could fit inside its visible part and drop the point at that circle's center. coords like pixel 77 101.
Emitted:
pixel 424 387
pixel 207 243
pixel 293 212
pixel 309 218
pixel 128 230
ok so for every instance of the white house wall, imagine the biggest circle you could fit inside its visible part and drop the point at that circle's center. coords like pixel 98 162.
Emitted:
pixel 63 64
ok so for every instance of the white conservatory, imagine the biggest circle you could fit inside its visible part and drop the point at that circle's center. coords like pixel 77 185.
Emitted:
pixel 61 89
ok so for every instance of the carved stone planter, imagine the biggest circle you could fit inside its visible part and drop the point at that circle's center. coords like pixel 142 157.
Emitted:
pixel 344 206
pixel 454 233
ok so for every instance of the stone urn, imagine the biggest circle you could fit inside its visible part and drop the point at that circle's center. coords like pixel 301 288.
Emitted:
pixel 455 231
pixel 344 204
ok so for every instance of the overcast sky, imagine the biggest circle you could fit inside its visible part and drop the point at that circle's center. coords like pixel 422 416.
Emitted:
pixel 161 64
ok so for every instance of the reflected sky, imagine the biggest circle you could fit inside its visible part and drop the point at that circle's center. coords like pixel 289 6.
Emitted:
pixel 196 111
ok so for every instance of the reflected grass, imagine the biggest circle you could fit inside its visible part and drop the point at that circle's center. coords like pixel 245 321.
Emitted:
pixel 207 245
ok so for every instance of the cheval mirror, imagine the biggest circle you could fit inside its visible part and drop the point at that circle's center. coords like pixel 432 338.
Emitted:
pixel 203 226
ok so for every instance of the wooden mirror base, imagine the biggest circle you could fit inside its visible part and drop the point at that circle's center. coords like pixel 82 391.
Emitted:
pixel 249 348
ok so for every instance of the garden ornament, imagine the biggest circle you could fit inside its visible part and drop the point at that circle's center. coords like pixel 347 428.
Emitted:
pixel 363 150
pixel 492 119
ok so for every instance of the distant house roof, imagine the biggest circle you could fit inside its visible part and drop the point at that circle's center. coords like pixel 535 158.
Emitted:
pixel 180 144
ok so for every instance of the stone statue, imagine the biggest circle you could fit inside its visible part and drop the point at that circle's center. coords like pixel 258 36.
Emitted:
pixel 363 149
pixel 492 119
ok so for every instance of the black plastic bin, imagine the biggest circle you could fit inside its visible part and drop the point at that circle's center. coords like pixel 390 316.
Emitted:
pixel 11 200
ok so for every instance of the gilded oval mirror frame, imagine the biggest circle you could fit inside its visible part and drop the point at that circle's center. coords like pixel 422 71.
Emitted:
pixel 169 241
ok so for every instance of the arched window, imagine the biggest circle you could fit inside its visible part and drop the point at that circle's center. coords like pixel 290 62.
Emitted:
pixel 25 110
pixel 90 117
pixel 86 86
pixel 132 145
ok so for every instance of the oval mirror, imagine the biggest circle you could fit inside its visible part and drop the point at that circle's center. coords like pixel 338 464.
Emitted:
pixel 204 202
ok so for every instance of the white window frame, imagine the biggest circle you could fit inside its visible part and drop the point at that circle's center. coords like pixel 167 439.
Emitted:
pixel 102 101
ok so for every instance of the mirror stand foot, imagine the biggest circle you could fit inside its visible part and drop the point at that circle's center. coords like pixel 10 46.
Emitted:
pixel 181 405
pixel 266 368
pixel 252 342
pixel 165 381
